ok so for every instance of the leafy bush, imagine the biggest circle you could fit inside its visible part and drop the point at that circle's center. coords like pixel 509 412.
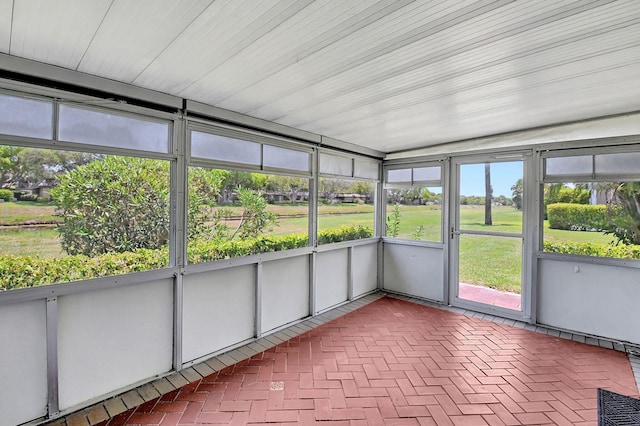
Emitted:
pixel 116 204
pixel 559 193
pixel 27 271
pixel 6 194
pixel 619 251
pixel 577 217
pixel 393 222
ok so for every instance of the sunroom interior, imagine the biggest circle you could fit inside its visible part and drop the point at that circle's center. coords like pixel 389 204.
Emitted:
pixel 291 157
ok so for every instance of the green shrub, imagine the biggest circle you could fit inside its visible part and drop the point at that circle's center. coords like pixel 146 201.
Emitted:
pixel 116 204
pixel 577 217
pixel 43 200
pixel 27 271
pixel 619 251
pixel 6 194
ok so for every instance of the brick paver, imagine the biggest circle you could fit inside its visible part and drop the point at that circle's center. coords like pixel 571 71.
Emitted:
pixel 396 362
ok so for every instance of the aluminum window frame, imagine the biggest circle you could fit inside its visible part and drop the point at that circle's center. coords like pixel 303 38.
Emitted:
pixel 443 164
pixel 353 159
pixel 249 136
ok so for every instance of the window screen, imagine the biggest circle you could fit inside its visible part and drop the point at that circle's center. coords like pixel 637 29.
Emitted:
pixel 365 169
pixel 422 174
pixel 283 158
pixel 335 165
pixel 578 165
pixel 101 128
pixel 222 148
pixel 399 175
pixel 26 117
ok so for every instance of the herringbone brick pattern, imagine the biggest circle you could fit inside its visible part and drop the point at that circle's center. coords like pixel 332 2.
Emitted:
pixel 394 362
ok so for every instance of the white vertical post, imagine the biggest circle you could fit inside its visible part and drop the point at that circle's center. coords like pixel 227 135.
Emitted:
pixel 52 356
pixel 178 226
pixel 258 308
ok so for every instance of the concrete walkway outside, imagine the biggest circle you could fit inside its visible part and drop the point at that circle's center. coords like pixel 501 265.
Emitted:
pixel 490 296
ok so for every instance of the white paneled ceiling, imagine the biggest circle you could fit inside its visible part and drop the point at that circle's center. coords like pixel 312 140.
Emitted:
pixel 389 75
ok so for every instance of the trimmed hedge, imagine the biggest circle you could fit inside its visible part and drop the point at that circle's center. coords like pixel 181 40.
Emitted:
pixel 344 233
pixel 27 271
pixel 620 251
pixel 6 194
pixel 577 217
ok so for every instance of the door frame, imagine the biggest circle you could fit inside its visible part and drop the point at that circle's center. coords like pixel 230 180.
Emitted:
pixel 530 237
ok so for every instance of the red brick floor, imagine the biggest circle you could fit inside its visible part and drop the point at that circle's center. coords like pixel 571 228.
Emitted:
pixel 394 362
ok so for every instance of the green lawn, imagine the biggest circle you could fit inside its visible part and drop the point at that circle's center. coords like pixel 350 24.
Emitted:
pixel 37 242
pixel 12 213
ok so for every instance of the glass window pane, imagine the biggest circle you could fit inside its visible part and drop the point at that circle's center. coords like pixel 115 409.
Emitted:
pixel 505 201
pixel 365 170
pixel 414 213
pixel 101 128
pixel 233 213
pixel 345 210
pixel 399 175
pixel 82 215
pixel 579 165
pixel 26 117
pixel 622 163
pixel 421 174
pixel 335 165
pixel 222 148
pixel 283 158
pixel 491 270
pixel 592 219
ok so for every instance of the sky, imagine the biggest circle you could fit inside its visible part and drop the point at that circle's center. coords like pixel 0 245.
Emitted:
pixel 503 177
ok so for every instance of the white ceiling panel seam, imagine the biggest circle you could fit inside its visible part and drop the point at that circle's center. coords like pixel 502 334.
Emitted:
pixel 515 28
pixel 241 78
pixel 348 58
pixel 413 86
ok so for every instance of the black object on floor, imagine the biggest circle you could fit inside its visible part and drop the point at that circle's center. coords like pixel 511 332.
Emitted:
pixel 617 410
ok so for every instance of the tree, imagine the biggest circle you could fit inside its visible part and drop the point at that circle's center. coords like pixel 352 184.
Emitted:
pixel 203 215
pixel 27 167
pixel 624 213
pixel 255 217
pixel 363 187
pixel 488 192
pixel 329 188
pixel 8 163
pixel 517 191
pixel 291 187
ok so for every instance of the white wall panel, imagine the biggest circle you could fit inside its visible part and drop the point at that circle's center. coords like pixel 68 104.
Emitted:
pixel 601 300
pixel 219 310
pixel 23 362
pixel 364 264
pixel 285 291
pixel 414 270
pixel 110 339
pixel 331 278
